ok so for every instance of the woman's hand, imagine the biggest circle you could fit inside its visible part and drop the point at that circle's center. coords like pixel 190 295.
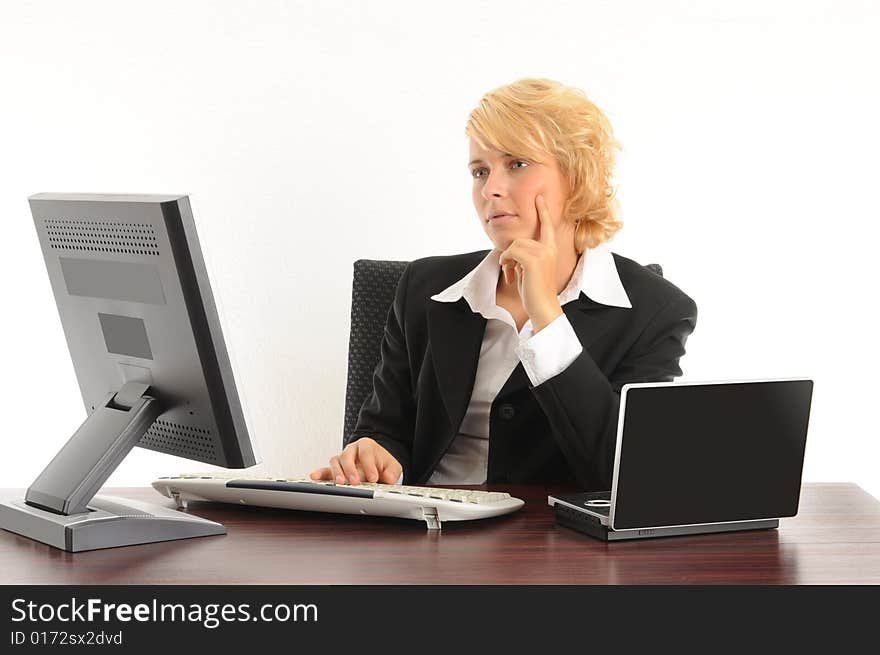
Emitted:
pixel 362 460
pixel 533 263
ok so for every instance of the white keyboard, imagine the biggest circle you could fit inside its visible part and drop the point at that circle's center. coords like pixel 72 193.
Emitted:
pixel 430 504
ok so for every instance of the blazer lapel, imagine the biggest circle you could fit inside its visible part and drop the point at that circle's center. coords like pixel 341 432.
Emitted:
pixel 581 314
pixel 455 334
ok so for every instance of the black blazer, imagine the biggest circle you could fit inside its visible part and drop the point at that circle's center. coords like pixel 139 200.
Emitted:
pixel 563 430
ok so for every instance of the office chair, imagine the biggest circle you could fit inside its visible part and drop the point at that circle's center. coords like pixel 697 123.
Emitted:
pixel 372 293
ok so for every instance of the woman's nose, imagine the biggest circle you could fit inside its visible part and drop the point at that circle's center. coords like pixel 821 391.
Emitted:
pixel 495 186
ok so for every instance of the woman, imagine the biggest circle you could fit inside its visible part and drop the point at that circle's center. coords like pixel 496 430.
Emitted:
pixel 507 366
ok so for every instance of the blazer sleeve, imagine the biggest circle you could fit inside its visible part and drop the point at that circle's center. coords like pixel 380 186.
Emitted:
pixel 582 404
pixel 388 413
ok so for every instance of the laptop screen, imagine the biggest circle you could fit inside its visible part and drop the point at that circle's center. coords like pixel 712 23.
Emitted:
pixel 711 453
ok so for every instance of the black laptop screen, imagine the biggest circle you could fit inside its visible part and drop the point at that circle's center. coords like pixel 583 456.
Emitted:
pixel 709 453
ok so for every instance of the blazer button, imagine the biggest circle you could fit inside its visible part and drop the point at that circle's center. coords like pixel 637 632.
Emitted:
pixel 506 411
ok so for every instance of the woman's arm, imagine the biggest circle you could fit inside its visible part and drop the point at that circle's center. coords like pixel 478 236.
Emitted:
pixel 582 404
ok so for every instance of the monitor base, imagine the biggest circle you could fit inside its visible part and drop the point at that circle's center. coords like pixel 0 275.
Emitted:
pixel 110 522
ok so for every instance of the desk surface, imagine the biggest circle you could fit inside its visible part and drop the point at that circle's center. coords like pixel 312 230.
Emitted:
pixel 835 539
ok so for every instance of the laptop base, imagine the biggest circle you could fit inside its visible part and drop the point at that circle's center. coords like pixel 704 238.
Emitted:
pixel 588 524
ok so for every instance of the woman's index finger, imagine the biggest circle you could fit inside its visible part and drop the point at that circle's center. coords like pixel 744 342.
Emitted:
pixel 547 234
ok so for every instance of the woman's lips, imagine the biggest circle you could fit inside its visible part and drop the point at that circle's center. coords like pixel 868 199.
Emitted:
pixel 502 218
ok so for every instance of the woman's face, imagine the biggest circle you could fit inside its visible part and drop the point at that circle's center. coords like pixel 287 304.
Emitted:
pixel 506 185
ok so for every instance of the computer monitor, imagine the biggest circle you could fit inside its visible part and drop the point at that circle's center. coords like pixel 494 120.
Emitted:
pixel 139 317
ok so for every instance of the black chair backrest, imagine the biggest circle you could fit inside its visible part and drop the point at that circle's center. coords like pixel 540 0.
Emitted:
pixel 372 294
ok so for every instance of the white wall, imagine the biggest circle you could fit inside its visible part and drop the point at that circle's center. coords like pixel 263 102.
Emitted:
pixel 311 134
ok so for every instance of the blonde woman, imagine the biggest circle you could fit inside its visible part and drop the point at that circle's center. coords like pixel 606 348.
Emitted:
pixel 506 365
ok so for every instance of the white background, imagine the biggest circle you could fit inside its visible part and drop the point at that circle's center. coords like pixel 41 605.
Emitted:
pixel 312 134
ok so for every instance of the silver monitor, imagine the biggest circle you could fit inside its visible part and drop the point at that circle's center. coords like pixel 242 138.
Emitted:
pixel 139 317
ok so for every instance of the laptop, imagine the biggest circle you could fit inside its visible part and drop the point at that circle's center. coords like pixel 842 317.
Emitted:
pixel 696 458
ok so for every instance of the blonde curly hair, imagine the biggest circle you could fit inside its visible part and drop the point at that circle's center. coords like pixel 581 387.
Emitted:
pixel 535 118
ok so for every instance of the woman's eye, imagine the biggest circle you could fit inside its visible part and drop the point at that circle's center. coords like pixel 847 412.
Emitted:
pixel 476 173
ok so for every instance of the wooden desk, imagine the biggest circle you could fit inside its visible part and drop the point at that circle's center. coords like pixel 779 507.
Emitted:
pixel 835 539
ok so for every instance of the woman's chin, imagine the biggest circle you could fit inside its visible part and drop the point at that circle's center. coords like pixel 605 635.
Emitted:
pixel 503 241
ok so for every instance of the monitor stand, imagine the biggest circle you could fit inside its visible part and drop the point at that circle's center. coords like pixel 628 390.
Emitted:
pixel 60 508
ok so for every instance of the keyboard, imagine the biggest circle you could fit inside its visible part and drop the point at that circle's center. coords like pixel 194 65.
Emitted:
pixel 430 504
